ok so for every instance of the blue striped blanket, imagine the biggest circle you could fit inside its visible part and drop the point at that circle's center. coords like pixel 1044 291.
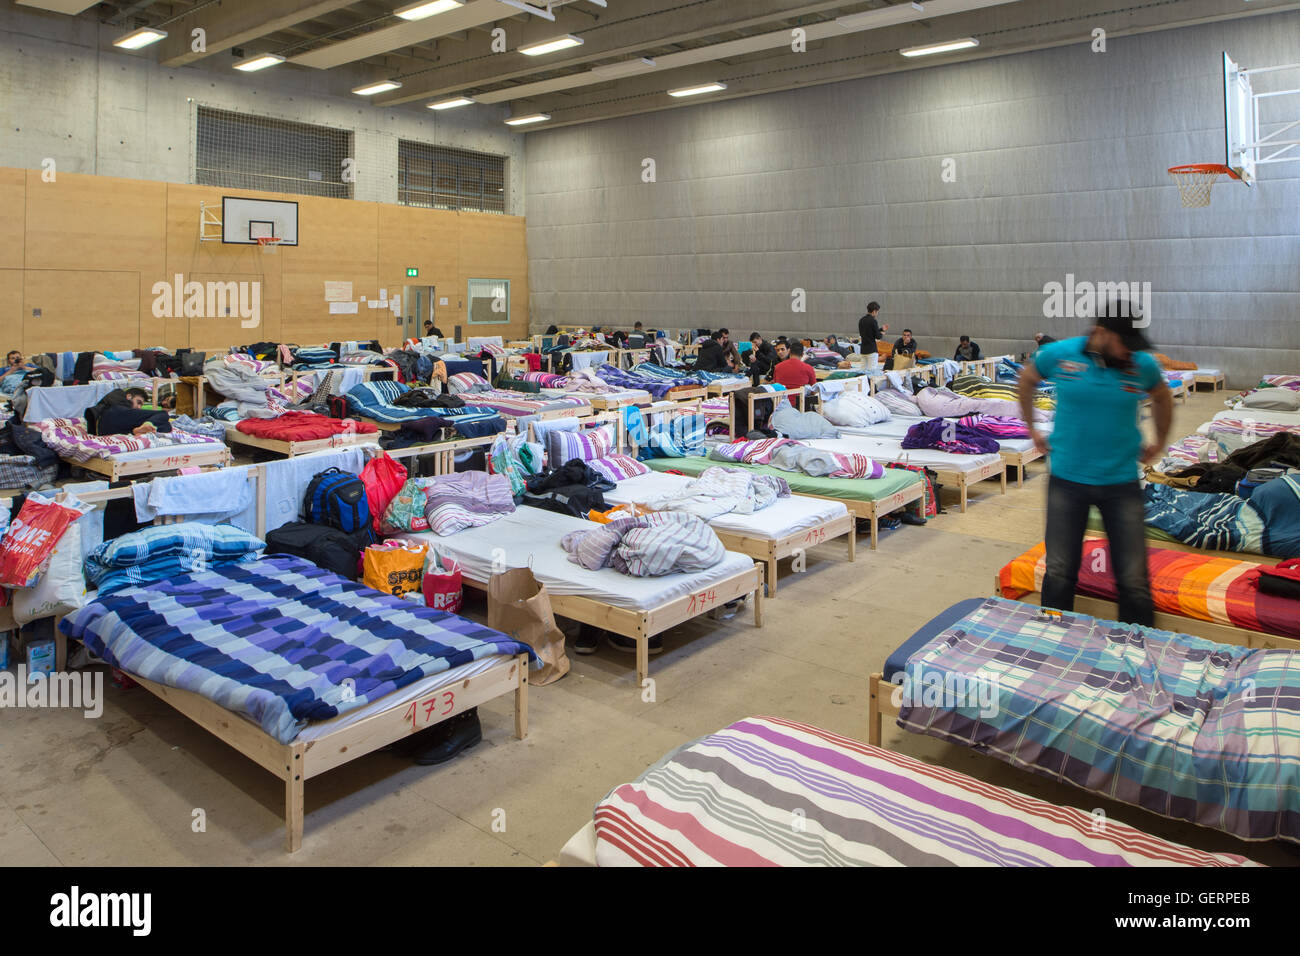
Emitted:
pixel 375 400
pixel 1216 522
pixel 279 640
pixel 1178 725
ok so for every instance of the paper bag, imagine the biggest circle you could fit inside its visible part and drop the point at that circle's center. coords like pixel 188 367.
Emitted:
pixel 902 361
pixel 519 606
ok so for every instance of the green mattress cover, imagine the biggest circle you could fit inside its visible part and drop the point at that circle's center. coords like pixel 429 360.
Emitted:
pixel 846 489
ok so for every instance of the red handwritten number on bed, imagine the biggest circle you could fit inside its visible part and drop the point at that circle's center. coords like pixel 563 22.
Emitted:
pixel 816 535
pixel 702 600
pixel 430 706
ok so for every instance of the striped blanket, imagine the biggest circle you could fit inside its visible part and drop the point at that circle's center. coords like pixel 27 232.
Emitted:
pixel 664 542
pixel 1205 587
pixel 70 439
pixel 655 379
pixel 995 426
pixel 278 640
pixel 1177 725
pixel 466 499
pixel 771 792
pixel 679 436
pixel 977 386
pixel 516 404
pixel 790 455
pixel 1268 523
pixel 376 400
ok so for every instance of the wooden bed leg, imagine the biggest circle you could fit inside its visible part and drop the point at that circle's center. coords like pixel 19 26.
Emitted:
pixel 963 495
pixel 642 655
pixel 874 722
pixel 875 530
pixel 521 699
pixel 293 803
pixel 1003 476
pixel 758 599
pixel 770 577
pixel 853 539
pixel 1020 474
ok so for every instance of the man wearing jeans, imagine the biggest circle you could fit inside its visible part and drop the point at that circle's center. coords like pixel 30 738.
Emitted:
pixel 1096 447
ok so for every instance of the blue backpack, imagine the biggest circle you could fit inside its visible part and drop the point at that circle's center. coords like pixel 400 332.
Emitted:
pixel 337 499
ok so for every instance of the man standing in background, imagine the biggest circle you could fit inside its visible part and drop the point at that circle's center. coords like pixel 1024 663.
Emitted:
pixel 1096 449
pixel 870 329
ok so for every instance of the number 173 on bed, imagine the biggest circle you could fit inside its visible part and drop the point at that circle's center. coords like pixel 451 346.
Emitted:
pixel 422 712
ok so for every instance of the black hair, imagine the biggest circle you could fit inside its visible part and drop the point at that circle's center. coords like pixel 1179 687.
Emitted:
pixel 137 391
pixel 755 335
pixel 965 338
pixel 724 331
pixel 830 336
pixel 873 307
pixel 636 325
pixel 552 330
pixel 908 331
pixel 796 348
pixel 717 336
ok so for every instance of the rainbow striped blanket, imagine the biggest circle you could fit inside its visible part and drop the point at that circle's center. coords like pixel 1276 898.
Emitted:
pixel 771 792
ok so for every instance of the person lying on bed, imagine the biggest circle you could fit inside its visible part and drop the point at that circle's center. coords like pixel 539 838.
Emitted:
pixel 122 412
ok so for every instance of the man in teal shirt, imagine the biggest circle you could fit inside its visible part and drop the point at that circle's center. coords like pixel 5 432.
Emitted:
pixel 1096 452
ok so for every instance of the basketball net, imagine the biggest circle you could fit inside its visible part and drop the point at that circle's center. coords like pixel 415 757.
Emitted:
pixel 1195 181
pixel 269 243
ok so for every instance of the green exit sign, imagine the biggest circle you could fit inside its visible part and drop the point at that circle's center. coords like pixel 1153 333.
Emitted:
pixel 412 273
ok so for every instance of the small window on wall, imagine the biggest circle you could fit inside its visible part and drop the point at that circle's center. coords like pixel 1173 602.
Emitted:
pixel 489 301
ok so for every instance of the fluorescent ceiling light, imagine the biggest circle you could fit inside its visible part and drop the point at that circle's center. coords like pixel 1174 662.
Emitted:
pixel 948 47
pixel 882 17
pixel 255 63
pixel 427 8
pixel 612 71
pixel 379 86
pixel 530 118
pixel 452 103
pixel 696 90
pixel 138 38
pixel 551 46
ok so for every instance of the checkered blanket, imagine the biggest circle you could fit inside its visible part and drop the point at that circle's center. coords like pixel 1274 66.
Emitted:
pixel 1178 725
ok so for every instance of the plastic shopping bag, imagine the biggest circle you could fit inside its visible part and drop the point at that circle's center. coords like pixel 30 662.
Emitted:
pixel 383 477
pixel 444 584
pixel 394 567
pixel 30 540
pixel 61 589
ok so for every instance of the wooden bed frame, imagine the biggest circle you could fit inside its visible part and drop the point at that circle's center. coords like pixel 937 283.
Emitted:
pixel 794 396
pixel 771 550
pixel 1018 460
pixel 113 469
pixel 289 449
pixel 963 480
pixel 1215 379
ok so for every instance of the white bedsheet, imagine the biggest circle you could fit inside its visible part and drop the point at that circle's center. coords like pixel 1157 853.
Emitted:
pixel 167 451
pixel 891 449
pixel 1268 416
pixel 787 516
pixel 531 537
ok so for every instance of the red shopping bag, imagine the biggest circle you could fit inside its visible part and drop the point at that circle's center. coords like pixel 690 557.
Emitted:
pixel 30 540
pixel 383 478
pixel 443 584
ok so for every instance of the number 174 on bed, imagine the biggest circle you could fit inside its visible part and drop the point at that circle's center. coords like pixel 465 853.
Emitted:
pixel 422 712
pixel 702 600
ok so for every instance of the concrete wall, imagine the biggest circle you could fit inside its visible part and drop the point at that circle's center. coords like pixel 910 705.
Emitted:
pixel 1060 159
pixel 70 96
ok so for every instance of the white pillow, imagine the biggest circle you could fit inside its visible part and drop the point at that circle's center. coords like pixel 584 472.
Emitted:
pixel 855 410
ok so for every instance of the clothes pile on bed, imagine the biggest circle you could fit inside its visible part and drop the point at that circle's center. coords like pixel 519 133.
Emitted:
pixel 789 455
pixel 1174 724
pixel 1268 522
pixel 720 491
pixel 378 401
pixel 311 645
pixel 303 426
pixel 953 437
pixel 71 440
pixel 647 546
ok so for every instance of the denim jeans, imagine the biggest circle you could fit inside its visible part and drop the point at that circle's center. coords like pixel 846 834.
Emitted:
pixel 1122 510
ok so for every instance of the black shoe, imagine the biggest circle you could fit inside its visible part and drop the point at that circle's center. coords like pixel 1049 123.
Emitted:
pixel 629 644
pixel 911 517
pixel 588 640
pixel 454 735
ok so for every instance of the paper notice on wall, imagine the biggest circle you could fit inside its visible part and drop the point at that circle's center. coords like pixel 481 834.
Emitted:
pixel 376 304
pixel 343 308
pixel 442 300
pixel 395 303
pixel 338 291
pixel 383 294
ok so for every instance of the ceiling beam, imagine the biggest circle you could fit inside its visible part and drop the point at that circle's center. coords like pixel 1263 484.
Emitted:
pixel 235 23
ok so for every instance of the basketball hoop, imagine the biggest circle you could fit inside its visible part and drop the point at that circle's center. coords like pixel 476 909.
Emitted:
pixel 269 243
pixel 1195 181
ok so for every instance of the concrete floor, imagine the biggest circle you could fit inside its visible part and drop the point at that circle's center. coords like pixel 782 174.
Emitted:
pixel 123 789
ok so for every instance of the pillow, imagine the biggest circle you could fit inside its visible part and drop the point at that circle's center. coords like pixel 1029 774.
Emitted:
pixel 466 382
pixel 164 551
pixel 898 403
pixel 855 410
pixel 584 445
pixel 617 467
pixel 1281 399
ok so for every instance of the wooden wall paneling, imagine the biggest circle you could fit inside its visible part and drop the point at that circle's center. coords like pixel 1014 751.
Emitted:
pixel 81 309
pixel 13 214
pixel 218 332
pixel 428 240
pixel 495 247
pixel 11 310
pixel 337 242
pixel 95 222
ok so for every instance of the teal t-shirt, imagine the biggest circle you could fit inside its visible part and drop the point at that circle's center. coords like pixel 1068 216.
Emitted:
pixel 1095 439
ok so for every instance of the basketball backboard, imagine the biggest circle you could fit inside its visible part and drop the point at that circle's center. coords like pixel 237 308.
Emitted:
pixel 1238 120
pixel 244 221
pixel 1252 139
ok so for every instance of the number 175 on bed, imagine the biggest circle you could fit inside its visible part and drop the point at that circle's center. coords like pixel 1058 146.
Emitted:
pixel 422 712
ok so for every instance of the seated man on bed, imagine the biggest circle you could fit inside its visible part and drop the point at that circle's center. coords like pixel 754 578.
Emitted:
pixel 122 412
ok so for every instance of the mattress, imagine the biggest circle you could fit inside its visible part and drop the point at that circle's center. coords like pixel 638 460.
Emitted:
pixel 785 517
pixel 891 449
pixel 766 791
pixel 530 537
pixel 1272 416
pixel 897 427
pixel 165 451
pixel 846 489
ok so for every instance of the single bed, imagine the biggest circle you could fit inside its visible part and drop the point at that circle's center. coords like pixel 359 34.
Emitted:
pixel 518 405
pixel 866 498
pixel 296 668
pixel 957 471
pixel 1208 595
pixel 1175 724
pixel 1015 452
pixel 290 448
pixel 782 529
pixel 1213 377
pixel 636 607
pixel 1262 416
pixel 766 791
pixel 156 461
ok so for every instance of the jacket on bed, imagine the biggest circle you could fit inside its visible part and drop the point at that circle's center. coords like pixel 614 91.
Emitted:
pixel 949 436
